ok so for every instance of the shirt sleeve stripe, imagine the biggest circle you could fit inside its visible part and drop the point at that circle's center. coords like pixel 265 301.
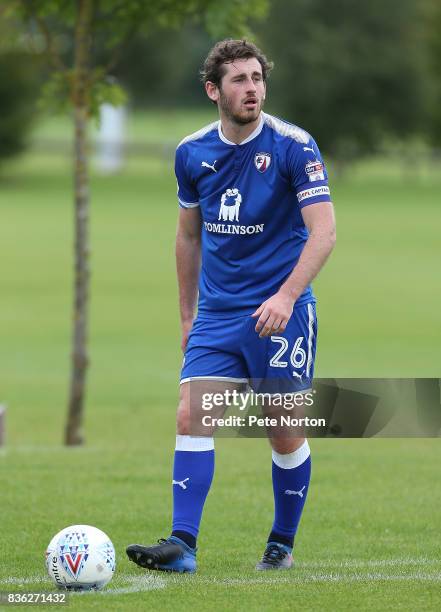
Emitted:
pixel 183 204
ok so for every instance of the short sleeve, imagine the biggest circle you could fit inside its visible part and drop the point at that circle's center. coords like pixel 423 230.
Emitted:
pixel 188 196
pixel 307 174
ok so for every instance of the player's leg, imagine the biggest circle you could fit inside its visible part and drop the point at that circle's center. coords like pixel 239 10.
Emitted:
pixel 194 454
pixel 291 473
pixel 193 471
pixel 289 365
pixel 208 369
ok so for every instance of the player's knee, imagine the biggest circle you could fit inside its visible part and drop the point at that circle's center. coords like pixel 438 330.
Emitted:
pixel 285 446
pixel 183 419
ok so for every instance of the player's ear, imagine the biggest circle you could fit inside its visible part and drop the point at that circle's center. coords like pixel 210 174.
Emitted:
pixel 212 91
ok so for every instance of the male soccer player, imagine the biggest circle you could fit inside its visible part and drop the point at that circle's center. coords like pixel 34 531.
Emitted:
pixel 256 225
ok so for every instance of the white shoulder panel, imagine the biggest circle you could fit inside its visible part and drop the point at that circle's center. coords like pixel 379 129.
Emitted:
pixel 286 129
pixel 200 133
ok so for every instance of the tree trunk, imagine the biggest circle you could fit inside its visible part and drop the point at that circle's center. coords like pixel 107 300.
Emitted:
pixel 81 103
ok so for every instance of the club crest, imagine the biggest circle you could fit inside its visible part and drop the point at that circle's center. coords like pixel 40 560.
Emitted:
pixel 262 161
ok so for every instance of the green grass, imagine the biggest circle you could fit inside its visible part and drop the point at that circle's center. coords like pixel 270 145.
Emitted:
pixel 369 538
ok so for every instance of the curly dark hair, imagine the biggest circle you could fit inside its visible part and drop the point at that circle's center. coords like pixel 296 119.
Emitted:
pixel 227 51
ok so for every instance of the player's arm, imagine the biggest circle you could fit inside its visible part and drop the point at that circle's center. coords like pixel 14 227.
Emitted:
pixel 188 263
pixel 275 312
pixel 320 220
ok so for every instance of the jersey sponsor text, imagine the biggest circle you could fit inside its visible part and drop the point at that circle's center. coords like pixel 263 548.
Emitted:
pixel 222 228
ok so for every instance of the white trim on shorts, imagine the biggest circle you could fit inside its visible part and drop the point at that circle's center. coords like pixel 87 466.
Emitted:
pixel 310 338
pixel 220 378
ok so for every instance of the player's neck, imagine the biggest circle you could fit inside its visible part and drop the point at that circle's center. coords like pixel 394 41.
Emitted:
pixel 237 133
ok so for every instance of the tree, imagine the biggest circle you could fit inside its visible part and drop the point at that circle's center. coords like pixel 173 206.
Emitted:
pixel 433 29
pixel 351 72
pixel 80 83
pixel 17 86
pixel 170 83
pixel 18 82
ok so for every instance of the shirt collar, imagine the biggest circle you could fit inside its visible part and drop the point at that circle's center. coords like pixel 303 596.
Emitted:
pixel 253 134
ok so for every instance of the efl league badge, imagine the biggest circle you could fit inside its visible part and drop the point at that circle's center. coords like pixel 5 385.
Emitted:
pixel 262 161
pixel 314 171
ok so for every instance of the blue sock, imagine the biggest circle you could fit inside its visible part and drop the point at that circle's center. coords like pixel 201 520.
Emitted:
pixel 192 476
pixel 291 475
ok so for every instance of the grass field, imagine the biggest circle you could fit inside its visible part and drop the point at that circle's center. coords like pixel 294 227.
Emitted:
pixel 369 538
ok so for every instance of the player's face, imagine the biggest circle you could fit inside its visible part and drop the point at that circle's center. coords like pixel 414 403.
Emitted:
pixel 242 91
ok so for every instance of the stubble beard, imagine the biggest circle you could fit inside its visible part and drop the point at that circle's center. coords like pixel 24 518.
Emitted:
pixel 241 118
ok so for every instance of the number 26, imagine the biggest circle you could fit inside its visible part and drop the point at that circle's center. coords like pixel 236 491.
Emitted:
pixel 297 357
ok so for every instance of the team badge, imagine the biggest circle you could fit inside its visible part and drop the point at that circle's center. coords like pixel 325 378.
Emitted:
pixel 314 171
pixel 262 161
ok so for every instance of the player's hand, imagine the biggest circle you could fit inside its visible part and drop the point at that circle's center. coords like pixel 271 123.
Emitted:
pixel 185 332
pixel 274 314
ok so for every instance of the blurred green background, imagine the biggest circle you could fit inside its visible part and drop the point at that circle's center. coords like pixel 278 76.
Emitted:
pixel 364 79
pixel 378 296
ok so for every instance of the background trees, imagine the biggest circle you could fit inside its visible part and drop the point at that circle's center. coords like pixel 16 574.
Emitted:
pixel 83 41
pixel 355 75
pixel 352 73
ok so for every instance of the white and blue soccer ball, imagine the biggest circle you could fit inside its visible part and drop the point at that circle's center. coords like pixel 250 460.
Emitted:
pixel 80 558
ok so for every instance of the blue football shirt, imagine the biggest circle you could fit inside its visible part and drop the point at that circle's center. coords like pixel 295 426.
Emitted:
pixel 250 196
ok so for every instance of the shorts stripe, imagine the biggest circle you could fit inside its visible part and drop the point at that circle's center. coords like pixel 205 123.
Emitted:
pixel 310 338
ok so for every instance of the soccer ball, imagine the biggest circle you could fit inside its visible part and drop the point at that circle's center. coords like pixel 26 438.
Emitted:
pixel 80 558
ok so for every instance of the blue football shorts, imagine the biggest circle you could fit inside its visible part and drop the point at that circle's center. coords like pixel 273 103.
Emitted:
pixel 231 350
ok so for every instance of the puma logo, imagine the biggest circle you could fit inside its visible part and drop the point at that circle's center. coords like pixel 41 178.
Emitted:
pixel 205 164
pixel 299 493
pixel 181 483
pixel 297 375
